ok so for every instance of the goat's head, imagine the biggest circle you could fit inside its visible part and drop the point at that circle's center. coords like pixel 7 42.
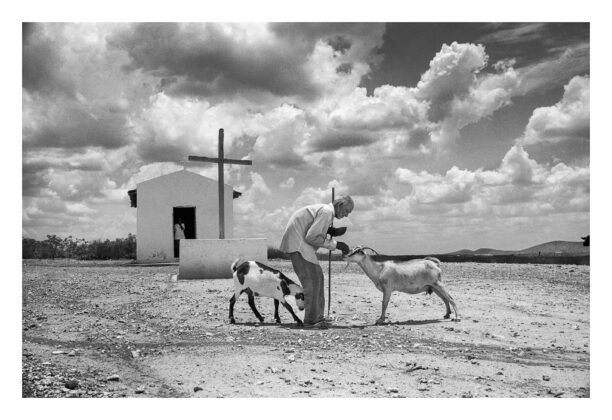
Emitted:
pixel 357 254
pixel 298 293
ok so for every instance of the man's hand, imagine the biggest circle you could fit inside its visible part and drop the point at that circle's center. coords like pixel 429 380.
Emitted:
pixel 336 231
pixel 342 247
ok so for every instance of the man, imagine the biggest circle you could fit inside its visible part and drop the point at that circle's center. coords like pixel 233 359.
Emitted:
pixel 179 233
pixel 307 231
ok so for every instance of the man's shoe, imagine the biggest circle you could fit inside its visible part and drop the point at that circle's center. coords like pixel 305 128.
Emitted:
pixel 320 325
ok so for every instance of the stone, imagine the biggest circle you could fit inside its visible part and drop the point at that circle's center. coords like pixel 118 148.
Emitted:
pixel 71 384
pixel 113 378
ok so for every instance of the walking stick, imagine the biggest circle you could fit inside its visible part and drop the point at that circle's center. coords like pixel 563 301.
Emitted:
pixel 329 266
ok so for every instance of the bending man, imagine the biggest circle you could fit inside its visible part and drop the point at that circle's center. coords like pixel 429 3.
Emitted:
pixel 307 231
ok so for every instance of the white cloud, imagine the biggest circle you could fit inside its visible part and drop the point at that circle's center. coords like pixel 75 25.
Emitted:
pixel 289 98
pixel 518 187
pixel 250 209
pixel 451 72
pixel 288 183
pixel 551 72
pixel 459 94
pixel 568 120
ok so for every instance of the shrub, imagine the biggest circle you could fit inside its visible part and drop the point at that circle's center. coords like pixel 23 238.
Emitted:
pixel 57 247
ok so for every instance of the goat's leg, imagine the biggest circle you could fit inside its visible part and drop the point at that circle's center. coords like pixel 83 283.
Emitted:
pixel 439 290
pixel 231 309
pixel 276 317
pixel 448 310
pixel 385 302
pixel 295 317
pixel 252 305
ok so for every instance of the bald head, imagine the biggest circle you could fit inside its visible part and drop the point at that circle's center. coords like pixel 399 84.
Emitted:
pixel 343 206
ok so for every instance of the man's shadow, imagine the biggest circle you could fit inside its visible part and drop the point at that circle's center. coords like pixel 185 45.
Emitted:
pixel 294 326
pixel 361 327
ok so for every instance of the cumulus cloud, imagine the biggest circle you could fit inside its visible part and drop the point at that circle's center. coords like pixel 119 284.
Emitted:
pixel 458 95
pixel 451 73
pixel 519 186
pixel 106 106
pixel 388 107
pixel 561 132
pixel 215 58
pixel 42 62
pixel 568 120
pixel 67 123
pixel 252 216
pixel 288 183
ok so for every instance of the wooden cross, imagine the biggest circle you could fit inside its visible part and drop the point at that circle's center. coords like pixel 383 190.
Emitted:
pixel 220 160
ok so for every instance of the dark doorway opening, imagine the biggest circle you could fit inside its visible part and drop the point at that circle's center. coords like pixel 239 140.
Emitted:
pixel 187 216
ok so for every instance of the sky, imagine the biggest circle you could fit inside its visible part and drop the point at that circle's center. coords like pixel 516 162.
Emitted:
pixel 446 135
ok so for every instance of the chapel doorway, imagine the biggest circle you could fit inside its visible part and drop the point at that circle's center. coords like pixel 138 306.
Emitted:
pixel 187 216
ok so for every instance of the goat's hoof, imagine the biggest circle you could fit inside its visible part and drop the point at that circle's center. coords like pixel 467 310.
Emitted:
pixel 300 324
pixel 261 320
pixel 380 322
pixel 232 321
pixel 446 316
pixel 277 320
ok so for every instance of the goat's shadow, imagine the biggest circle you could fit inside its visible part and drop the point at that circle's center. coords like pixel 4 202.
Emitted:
pixel 361 327
pixel 412 322
pixel 294 326
pixel 257 324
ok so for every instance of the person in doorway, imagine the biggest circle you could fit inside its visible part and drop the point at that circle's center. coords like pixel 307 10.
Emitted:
pixel 307 230
pixel 179 233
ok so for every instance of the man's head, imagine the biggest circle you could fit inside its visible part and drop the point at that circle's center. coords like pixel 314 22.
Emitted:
pixel 343 206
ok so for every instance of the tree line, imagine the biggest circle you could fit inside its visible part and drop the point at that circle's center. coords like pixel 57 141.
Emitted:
pixel 57 247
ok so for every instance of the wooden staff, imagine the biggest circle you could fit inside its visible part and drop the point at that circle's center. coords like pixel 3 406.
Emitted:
pixel 329 265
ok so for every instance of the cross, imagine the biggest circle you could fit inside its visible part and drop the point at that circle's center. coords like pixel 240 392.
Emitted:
pixel 220 160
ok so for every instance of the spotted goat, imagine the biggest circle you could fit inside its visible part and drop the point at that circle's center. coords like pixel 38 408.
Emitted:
pixel 257 279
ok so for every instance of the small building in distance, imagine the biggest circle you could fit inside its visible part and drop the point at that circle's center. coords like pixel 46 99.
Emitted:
pixel 161 201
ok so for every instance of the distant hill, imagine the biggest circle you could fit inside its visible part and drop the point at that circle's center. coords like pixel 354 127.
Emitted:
pixel 548 248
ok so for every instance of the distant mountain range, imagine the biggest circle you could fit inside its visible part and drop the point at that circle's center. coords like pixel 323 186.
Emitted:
pixel 548 248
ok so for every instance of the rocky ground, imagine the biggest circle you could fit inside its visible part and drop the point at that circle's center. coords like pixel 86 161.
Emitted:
pixel 113 329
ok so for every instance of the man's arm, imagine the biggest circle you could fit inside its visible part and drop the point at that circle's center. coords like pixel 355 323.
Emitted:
pixel 317 233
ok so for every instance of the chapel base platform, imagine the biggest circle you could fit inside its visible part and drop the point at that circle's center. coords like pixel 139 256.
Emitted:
pixel 211 258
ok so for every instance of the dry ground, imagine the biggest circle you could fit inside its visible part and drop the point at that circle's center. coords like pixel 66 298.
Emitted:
pixel 117 330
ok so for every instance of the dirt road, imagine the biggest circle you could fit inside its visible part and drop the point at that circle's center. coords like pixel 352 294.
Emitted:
pixel 117 330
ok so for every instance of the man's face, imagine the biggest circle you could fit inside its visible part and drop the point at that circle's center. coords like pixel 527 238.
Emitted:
pixel 343 211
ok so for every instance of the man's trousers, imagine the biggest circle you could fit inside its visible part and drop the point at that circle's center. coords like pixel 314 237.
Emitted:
pixel 311 277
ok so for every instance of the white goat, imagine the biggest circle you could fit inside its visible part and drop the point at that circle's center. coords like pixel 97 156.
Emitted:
pixel 257 279
pixel 414 276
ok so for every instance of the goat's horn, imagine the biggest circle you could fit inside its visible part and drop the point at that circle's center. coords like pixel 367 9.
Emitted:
pixel 371 249
pixel 355 249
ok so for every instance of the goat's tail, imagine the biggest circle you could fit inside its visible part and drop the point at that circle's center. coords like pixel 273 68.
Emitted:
pixel 235 263
pixel 433 260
